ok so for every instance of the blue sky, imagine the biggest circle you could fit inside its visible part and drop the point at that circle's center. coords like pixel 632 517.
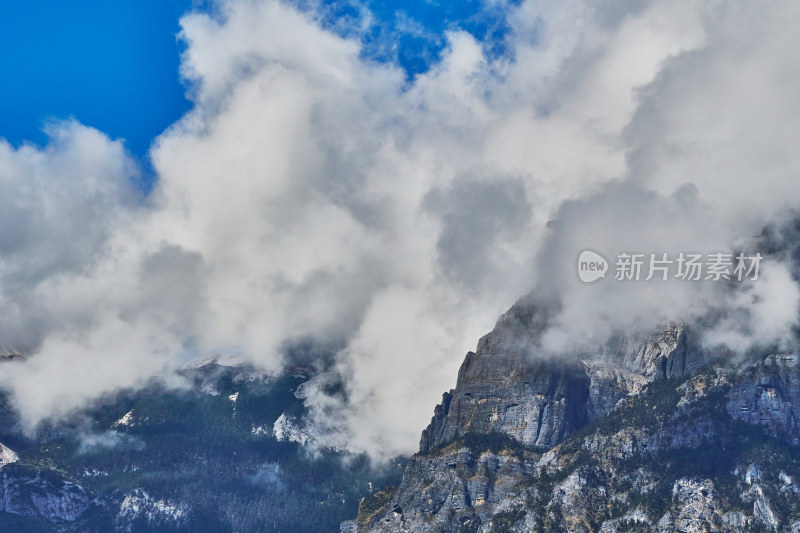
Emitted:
pixel 111 65
pixel 411 33
pixel 114 65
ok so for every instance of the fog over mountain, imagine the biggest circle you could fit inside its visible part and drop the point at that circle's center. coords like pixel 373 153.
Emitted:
pixel 315 201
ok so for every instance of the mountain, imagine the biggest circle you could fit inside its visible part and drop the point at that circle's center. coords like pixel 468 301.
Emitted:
pixel 649 431
pixel 228 451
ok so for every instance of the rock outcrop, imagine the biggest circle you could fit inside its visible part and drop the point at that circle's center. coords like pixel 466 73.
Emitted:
pixel 505 386
pixel 768 395
pixel 42 495
pixel 7 455
pixel 646 432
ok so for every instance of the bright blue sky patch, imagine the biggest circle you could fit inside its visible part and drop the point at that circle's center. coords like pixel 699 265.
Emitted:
pixel 411 32
pixel 113 65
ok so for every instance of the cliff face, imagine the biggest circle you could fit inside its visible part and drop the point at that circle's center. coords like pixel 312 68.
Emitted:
pixel 536 404
pixel 768 395
pixel 49 497
pixel 647 432
pixel 505 387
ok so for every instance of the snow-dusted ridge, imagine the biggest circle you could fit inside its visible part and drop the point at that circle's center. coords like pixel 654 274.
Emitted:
pixel 229 360
pixel 125 421
pixel 7 456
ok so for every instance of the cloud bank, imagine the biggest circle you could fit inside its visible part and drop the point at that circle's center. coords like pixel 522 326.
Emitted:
pixel 314 196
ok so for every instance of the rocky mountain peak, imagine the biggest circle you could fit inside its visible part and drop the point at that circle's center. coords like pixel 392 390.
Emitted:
pixel 507 386
pixel 648 431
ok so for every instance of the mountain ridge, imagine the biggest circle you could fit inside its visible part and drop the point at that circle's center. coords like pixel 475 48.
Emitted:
pixel 203 457
pixel 621 437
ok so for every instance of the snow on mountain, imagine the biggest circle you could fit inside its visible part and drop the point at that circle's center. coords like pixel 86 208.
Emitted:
pixel 157 512
pixel 126 420
pixel 7 455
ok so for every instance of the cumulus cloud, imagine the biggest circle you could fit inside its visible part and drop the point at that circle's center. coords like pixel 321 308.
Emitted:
pixel 61 205
pixel 710 162
pixel 313 196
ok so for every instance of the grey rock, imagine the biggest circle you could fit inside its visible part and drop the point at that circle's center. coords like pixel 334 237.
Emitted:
pixel 762 511
pixel 507 386
pixel 768 394
pixel 595 437
pixel 42 495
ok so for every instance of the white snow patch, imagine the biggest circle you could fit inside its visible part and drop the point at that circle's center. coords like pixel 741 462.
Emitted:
pixel 7 456
pixel 126 420
pixel 306 431
pixel 763 512
pixel 753 474
pixel 230 360
pixel 94 473
pixel 259 430
pixel 139 503
pixel 286 428
pixel 208 388
pixel 638 517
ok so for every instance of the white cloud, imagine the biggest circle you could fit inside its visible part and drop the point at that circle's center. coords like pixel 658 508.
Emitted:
pixel 61 205
pixel 312 194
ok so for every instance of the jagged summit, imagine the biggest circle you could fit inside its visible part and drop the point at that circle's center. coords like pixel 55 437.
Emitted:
pixel 648 431
pixel 505 387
